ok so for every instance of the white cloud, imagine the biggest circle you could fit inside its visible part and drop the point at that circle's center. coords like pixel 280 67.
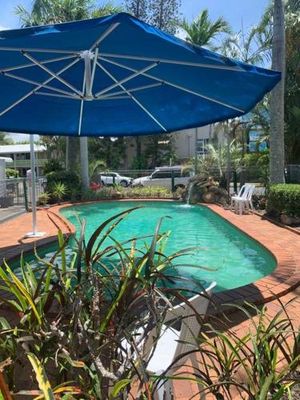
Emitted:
pixel 3 28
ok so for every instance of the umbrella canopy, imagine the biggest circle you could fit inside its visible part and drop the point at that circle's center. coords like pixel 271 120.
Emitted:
pixel 118 76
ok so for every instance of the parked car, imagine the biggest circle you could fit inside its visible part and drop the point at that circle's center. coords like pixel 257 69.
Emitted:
pixel 162 177
pixel 111 178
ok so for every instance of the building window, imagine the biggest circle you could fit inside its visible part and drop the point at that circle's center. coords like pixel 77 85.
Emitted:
pixel 202 146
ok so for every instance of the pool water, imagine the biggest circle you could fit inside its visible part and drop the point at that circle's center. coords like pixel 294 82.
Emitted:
pixel 233 259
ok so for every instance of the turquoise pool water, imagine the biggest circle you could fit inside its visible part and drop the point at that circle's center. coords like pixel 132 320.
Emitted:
pixel 233 258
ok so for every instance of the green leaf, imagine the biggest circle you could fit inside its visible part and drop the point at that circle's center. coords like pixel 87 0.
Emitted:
pixel 61 243
pixel 118 387
pixel 41 377
pixel 265 388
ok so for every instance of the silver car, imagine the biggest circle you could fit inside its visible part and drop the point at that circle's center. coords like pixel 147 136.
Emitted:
pixel 113 178
pixel 162 177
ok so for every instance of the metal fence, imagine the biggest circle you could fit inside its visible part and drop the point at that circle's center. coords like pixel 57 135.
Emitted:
pixel 17 192
pixel 293 173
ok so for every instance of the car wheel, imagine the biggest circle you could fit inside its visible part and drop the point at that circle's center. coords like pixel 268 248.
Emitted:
pixel 124 183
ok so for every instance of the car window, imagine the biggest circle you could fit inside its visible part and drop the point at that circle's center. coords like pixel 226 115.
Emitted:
pixel 161 175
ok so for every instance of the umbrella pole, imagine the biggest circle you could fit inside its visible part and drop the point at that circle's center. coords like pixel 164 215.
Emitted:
pixel 34 232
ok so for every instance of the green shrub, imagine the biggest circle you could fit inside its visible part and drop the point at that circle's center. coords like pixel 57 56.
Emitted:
pixel 119 192
pixel 43 199
pixel 68 178
pixel 256 167
pixel 11 173
pixel 52 166
pixel 284 198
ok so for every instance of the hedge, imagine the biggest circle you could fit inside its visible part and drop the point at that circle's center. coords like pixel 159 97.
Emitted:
pixel 284 198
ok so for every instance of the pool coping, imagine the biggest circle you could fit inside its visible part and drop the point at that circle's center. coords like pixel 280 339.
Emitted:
pixel 285 277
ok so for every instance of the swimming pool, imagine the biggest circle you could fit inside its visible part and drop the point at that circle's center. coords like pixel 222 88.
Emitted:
pixel 233 258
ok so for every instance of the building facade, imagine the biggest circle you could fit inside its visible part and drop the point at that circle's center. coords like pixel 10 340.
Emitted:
pixel 20 156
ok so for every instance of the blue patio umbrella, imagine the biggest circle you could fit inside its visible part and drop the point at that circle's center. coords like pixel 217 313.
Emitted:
pixel 118 76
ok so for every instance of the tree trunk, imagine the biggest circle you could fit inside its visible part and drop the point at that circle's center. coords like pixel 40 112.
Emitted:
pixel 277 98
pixel 84 162
pixel 72 154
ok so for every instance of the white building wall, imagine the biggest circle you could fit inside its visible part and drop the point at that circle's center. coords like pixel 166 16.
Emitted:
pixel 185 140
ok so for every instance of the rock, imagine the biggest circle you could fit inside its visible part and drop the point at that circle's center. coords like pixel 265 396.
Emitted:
pixel 204 189
pixel 289 220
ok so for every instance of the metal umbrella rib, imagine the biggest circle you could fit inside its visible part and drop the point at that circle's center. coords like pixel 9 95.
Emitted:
pixel 167 82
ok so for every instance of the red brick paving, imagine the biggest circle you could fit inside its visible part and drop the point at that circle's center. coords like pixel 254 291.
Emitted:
pixel 283 282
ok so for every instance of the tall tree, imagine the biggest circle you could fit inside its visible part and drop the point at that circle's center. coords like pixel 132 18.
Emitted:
pixel 277 97
pixel 165 14
pixel 138 8
pixel 292 82
pixel 202 30
pixel 4 140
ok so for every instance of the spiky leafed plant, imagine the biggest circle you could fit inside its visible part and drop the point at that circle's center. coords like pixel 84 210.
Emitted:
pixel 84 317
pixel 202 31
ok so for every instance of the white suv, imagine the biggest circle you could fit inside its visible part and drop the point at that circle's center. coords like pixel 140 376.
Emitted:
pixel 111 178
pixel 162 177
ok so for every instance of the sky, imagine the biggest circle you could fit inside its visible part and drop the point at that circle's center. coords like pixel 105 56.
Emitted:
pixel 241 14
pixel 237 12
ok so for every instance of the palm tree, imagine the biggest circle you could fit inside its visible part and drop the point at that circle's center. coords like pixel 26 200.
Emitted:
pixel 202 31
pixel 252 47
pixel 277 97
pixel 56 11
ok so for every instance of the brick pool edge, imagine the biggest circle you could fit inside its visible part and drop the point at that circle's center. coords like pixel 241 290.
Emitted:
pixel 282 243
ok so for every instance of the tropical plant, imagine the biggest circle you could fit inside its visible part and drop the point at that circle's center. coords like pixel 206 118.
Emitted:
pixel 215 162
pixel 263 364
pixel 59 191
pixel 95 166
pixel 202 31
pixel 43 199
pixel 84 316
pixel 68 178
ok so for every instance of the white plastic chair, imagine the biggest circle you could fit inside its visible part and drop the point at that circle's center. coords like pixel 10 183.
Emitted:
pixel 243 200
pixel 172 341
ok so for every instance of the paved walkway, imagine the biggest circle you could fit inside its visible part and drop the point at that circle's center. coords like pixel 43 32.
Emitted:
pixel 283 282
pixel 11 212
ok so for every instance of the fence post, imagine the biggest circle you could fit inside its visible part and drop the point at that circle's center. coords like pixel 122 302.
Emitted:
pixel 172 181
pixel 25 195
